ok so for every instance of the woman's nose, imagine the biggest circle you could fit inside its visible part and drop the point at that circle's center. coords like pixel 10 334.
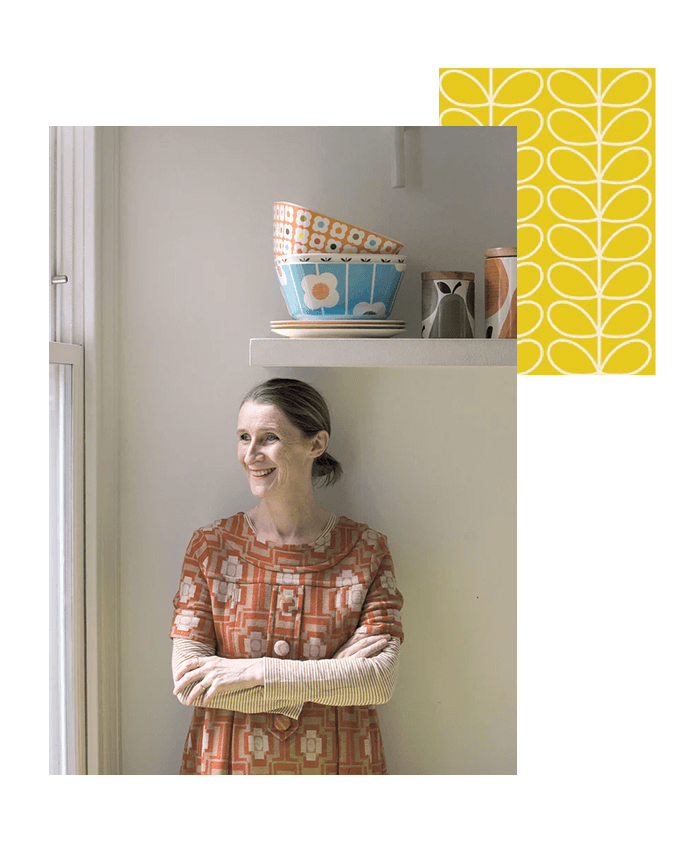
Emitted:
pixel 253 453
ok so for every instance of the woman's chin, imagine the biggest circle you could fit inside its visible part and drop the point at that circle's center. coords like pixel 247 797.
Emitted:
pixel 261 486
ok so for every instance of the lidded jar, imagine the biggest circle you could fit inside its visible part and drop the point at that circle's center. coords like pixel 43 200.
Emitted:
pixel 447 303
pixel 500 278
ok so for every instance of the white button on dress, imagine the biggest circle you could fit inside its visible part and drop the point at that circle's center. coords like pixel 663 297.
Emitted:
pixel 281 648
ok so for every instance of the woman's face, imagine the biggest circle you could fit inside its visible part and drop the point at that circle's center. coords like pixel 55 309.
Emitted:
pixel 274 453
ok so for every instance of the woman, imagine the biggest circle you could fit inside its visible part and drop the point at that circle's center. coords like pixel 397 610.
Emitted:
pixel 287 622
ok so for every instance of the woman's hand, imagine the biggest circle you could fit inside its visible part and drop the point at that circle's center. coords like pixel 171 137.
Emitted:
pixel 363 645
pixel 217 674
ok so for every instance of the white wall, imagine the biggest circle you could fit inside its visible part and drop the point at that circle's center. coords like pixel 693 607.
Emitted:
pixel 429 453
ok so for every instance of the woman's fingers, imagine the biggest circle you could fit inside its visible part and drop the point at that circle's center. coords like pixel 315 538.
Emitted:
pixel 198 689
pixel 218 674
pixel 188 666
pixel 363 646
pixel 195 692
pixel 372 649
pixel 188 678
pixel 370 641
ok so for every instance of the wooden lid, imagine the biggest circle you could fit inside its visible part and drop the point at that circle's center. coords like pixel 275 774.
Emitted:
pixel 501 252
pixel 447 274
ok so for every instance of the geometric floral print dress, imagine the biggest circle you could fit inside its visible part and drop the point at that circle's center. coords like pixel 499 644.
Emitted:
pixel 294 606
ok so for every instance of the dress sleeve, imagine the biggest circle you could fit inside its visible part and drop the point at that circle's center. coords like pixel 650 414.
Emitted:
pixel 381 611
pixel 193 618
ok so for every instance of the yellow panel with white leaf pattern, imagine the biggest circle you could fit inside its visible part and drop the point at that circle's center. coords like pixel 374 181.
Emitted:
pixel 585 209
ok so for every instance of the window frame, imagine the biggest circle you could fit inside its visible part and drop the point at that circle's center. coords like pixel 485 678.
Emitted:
pixel 84 246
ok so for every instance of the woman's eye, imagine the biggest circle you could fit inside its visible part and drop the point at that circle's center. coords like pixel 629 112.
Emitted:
pixel 243 437
pixel 272 437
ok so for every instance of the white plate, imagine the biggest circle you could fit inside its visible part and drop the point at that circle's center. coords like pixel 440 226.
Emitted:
pixel 350 331
pixel 337 324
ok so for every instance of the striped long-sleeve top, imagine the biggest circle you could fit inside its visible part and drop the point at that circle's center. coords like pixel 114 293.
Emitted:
pixel 289 684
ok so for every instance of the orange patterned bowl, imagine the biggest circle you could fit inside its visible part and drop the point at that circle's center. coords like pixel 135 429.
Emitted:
pixel 300 230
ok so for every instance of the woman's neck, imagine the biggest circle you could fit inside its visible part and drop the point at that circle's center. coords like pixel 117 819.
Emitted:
pixel 289 524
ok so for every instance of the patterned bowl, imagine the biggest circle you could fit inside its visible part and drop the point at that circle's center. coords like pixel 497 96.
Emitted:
pixel 298 230
pixel 326 287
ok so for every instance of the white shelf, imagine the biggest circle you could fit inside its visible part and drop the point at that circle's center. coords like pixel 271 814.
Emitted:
pixel 381 352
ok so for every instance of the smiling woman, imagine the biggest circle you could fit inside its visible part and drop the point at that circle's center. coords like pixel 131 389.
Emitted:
pixel 287 623
pixel 297 414
pixel 278 461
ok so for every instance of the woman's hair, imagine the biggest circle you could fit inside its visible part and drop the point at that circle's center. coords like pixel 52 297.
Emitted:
pixel 305 408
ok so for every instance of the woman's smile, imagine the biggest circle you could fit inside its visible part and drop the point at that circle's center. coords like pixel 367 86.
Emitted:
pixel 261 473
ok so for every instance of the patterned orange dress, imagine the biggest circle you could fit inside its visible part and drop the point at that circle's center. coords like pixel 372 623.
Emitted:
pixel 246 598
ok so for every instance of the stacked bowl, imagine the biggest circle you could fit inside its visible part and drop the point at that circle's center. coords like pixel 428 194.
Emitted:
pixel 337 279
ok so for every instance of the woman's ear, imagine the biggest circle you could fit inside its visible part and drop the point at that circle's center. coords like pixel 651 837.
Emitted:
pixel 319 443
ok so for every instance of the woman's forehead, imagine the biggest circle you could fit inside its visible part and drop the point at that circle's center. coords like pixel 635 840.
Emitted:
pixel 257 415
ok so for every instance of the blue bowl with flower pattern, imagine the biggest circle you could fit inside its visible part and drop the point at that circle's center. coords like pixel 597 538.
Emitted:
pixel 350 286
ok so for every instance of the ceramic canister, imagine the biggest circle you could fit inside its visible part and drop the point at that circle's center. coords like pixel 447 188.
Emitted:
pixel 500 276
pixel 447 303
